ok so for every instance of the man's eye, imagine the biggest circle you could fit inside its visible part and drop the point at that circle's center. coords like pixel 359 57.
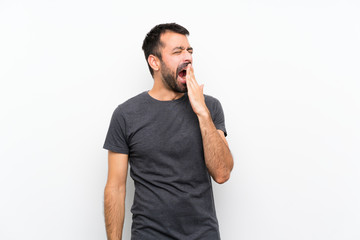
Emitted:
pixel 177 52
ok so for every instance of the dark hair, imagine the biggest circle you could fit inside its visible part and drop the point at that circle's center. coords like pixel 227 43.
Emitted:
pixel 152 43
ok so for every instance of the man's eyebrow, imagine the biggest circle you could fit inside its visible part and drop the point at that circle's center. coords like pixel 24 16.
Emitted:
pixel 182 48
pixel 177 48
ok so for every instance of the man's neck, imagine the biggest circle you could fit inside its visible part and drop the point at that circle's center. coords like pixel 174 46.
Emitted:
pixel 160 92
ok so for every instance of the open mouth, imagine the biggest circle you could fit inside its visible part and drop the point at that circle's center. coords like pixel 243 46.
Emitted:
pixel 182 72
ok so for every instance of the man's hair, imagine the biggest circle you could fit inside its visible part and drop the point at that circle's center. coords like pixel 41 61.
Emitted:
pixel 152 43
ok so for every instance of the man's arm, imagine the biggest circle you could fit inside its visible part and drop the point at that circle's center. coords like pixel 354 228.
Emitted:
pixel 114 195
pixel 217 154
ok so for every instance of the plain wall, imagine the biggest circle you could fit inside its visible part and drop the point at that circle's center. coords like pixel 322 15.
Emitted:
pixel 286 73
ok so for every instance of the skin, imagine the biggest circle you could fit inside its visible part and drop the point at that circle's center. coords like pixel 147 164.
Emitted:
pixel 114 195
pixel 176 51
pixel 169 86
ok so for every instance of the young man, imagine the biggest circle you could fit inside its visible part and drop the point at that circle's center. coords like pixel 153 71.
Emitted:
pixel 174 138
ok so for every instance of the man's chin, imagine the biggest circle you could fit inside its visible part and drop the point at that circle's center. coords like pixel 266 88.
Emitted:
pixel 182 88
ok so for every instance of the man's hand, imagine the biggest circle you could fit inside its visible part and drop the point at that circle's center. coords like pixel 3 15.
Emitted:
pixel 196 93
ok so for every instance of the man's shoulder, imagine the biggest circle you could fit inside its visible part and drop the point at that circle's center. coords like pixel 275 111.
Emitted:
pixel 211 102
pixel 132 102
pixel 210 98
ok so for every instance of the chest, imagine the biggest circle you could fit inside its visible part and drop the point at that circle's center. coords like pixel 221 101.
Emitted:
pixel 168 130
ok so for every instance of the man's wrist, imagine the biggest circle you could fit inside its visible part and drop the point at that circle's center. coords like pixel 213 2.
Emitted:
pixel 204 115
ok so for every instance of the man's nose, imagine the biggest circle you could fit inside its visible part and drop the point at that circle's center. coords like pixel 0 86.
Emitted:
pixel 187 57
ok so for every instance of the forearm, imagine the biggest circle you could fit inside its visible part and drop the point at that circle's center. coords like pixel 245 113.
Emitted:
pixel 114 206
pixel 217 154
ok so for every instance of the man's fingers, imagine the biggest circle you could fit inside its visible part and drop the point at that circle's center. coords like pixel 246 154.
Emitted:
pixel 202 88
pixel 190 76
pixel 192 84
pixel 192 72
pixel 188 72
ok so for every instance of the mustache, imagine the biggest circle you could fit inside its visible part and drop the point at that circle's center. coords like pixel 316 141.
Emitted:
pixel 181 67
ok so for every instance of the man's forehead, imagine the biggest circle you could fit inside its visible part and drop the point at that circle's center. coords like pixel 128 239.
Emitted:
pixel 172 40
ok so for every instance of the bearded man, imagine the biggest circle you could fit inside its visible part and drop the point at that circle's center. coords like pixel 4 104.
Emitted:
pixel 173 136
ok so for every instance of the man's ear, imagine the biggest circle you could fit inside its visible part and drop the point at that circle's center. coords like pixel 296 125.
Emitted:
pixel 154 62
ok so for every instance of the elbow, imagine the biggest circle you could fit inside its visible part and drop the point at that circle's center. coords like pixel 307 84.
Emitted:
pixel 121 188
pixel 223 175
pixel 222 178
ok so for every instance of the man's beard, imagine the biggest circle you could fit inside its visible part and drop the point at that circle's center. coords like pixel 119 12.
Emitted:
pixel 169 78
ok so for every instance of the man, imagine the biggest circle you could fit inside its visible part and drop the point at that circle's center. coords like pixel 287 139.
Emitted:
pixel 174 138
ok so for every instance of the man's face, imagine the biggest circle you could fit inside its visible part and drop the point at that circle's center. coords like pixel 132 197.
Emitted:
pixel 176 55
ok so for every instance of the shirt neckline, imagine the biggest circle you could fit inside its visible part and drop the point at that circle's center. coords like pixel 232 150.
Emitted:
pixel 147 95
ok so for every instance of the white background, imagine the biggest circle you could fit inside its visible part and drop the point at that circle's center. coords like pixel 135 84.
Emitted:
pixel 286 73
